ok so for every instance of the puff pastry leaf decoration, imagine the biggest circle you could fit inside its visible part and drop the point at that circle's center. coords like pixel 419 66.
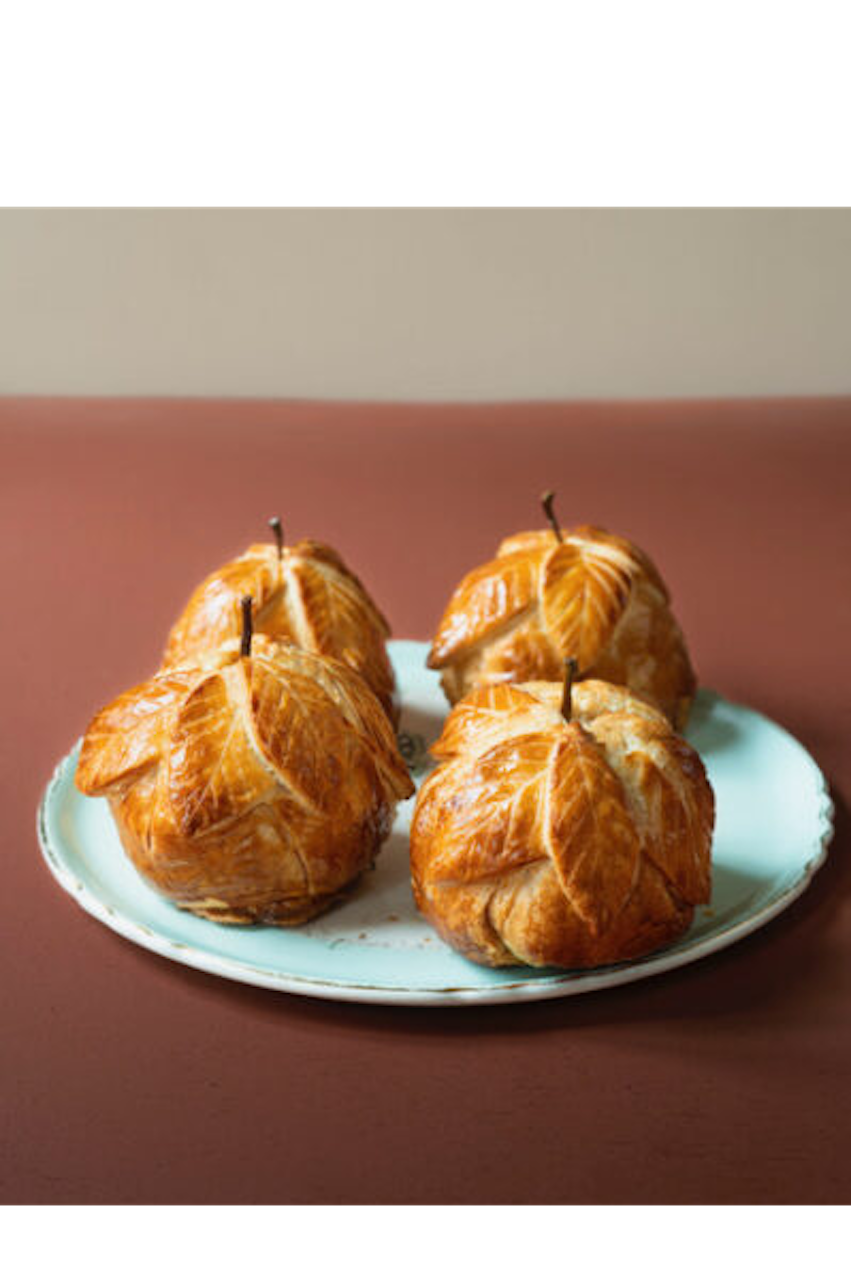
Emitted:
pixel 248 787
pixel 547 595
pixel 573 843
pixel 303 594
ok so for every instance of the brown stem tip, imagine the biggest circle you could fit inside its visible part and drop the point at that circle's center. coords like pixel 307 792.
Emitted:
pixel 277 528
pixel 547 500
pixel 571 670
pixel 247 627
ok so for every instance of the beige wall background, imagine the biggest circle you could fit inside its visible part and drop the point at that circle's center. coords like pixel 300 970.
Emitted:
pixel 444 304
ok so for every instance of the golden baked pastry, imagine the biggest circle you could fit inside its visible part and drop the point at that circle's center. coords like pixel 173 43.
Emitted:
pixel 251 786
pixel 302 593
pixel 573 842
pixel 550 595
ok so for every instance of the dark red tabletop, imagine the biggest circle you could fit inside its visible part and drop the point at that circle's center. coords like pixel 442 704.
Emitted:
pixel 127 1078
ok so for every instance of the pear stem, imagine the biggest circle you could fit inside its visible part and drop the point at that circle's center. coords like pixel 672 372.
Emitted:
pixel 571 668
pixel 277 529
pixel 247 627
pixel 547 500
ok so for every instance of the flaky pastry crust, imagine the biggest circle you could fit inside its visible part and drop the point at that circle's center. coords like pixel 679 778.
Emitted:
pixel 594 596
pixel 306 596
pixel 248 789
pixel 543 842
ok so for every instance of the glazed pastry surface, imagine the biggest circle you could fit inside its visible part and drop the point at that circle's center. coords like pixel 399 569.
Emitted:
pixel 248 789
pixel 543 841
pixel 593 596
pixel 305 595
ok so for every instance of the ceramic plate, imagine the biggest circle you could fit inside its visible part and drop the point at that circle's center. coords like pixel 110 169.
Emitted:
pixel 773 827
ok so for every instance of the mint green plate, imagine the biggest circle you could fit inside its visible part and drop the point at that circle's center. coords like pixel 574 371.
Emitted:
pixel 773 827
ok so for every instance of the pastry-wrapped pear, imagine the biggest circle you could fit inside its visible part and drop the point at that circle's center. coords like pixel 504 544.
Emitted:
pixel 557 835
pixel 304 594
pixel 549 595
pixel 248 787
